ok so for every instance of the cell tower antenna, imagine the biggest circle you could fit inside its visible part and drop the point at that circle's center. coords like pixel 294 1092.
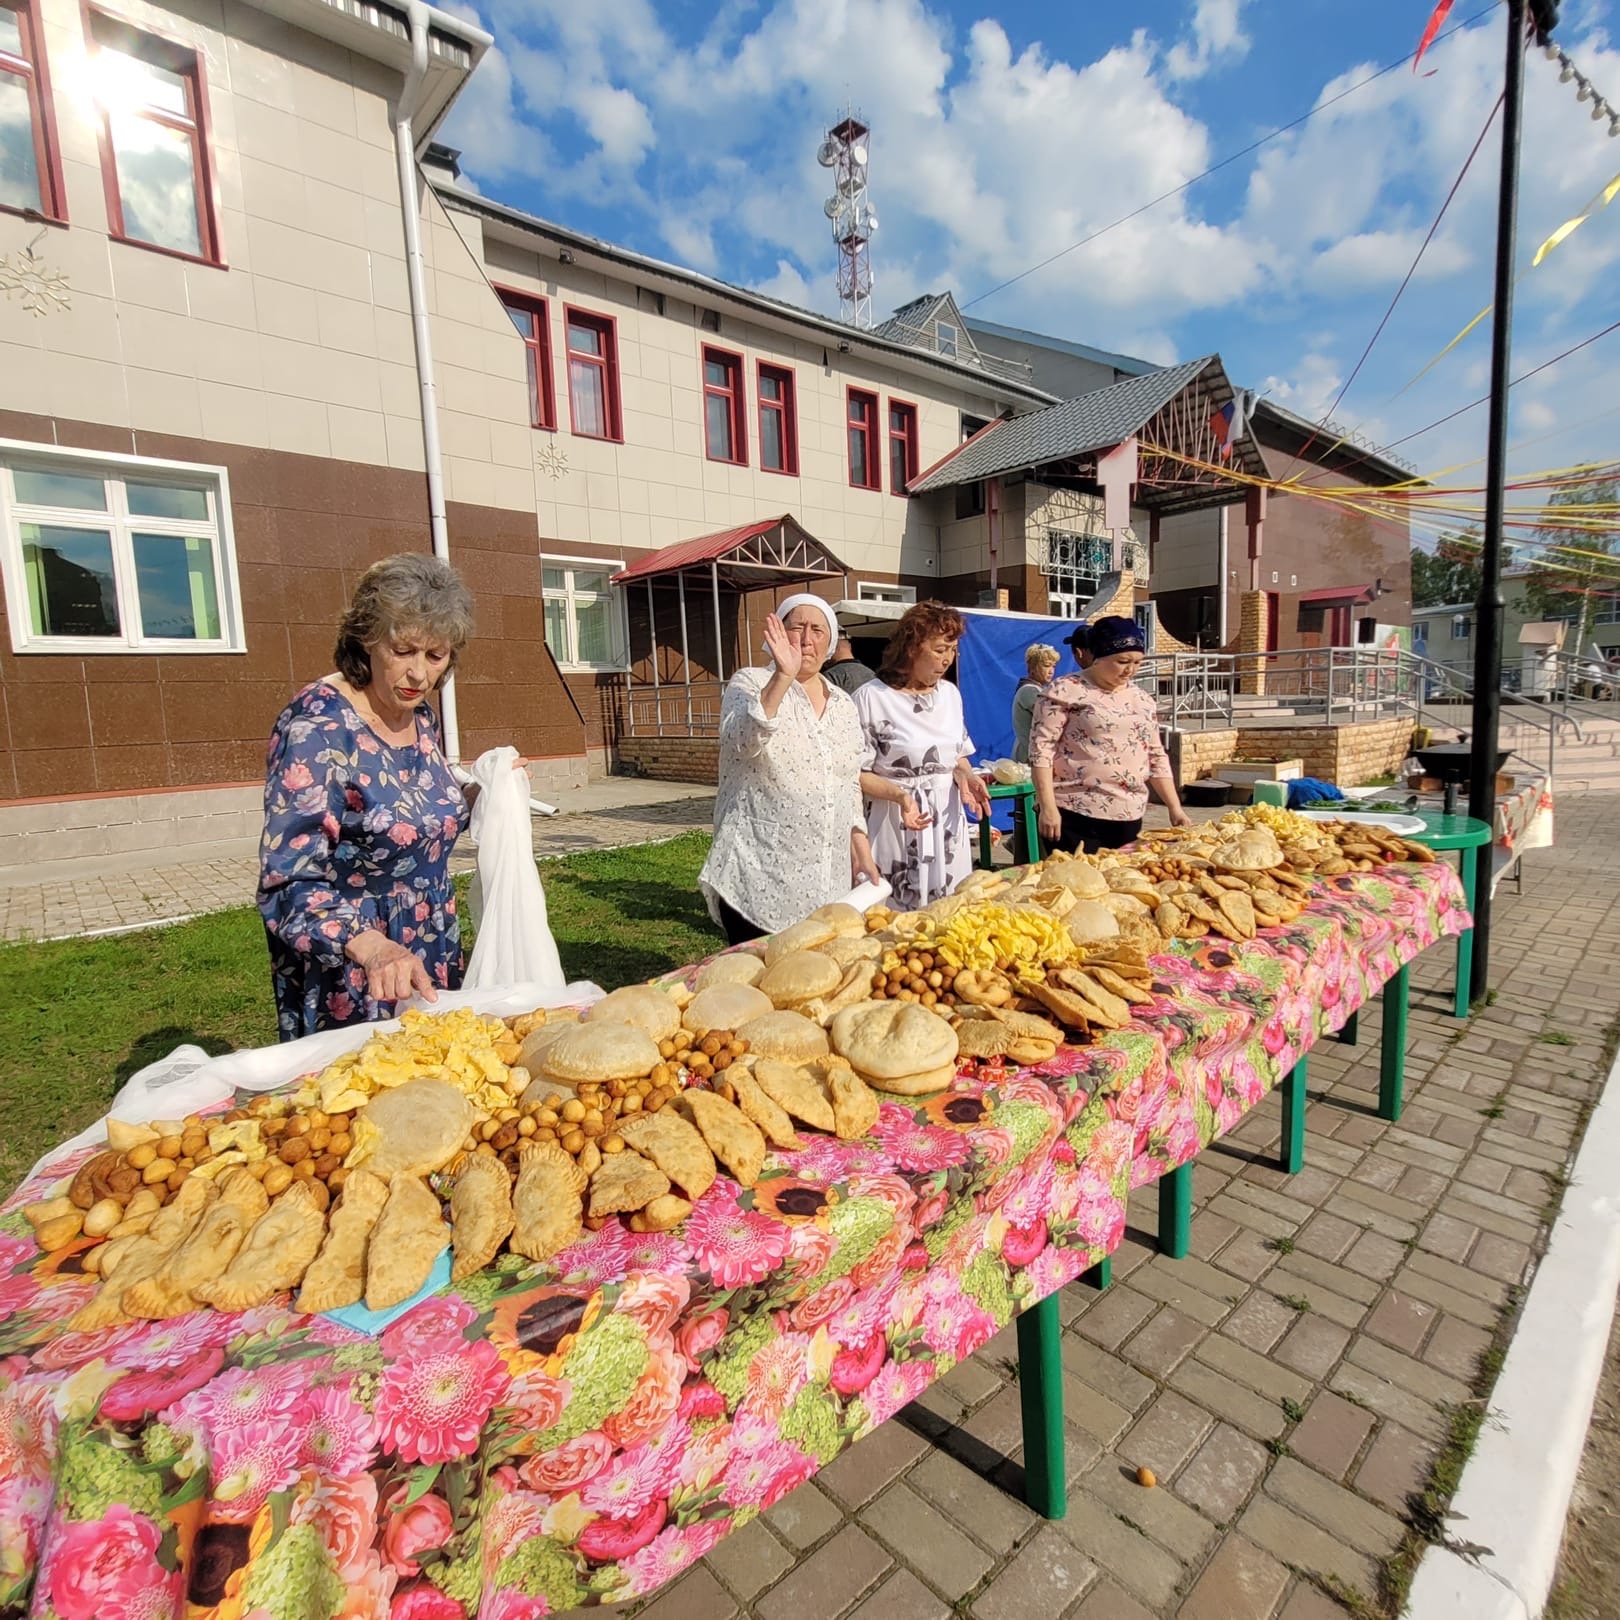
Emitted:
pixel 847 151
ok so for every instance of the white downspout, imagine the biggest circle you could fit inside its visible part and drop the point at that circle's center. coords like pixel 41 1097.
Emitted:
pixel 1221 564
pixel 405 150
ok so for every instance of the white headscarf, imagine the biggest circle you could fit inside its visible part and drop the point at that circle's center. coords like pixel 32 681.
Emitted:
pixel 805 599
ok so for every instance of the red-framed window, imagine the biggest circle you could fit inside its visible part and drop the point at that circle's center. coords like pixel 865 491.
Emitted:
pixel 30 162
pixel 529 317
pixel 865 470
pixel 154 140
pixel 725 423
pixel 902 445
pixel 778 420
pixel 593 375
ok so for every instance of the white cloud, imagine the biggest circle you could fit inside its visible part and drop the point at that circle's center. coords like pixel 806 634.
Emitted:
pixel 1310 390
pixel 1217 36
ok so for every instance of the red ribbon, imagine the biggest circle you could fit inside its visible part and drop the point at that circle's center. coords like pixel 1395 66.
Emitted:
pixel 1437 21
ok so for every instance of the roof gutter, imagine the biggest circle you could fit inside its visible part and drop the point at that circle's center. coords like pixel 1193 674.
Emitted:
pixel 410 102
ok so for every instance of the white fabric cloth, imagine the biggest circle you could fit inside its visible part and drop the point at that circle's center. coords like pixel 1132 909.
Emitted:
pixel 514 943
pixel 917 739
pixel 789 796
pixel 806 599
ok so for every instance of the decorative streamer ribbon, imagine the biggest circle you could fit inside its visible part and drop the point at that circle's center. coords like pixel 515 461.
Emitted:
pixel 1558 237
pixel 1437 21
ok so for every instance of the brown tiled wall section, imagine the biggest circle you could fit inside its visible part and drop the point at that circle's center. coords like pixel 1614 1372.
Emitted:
pixel 305 528
pixel 1347 755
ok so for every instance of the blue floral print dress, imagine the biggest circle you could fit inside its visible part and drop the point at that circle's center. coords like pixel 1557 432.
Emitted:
pixel 357 834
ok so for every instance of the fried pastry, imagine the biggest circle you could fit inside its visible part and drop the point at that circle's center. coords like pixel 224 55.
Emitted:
pixel 854 1103
pixel 676 1146
pixel 409 1236
pixel 275 1255
pixel 625 1182
pixel 736 1140
pixel 209 1249
pixel 769 1115
pixel 793 1090
pixel 546 1202
pixel 661 1214
pixel 146 1254
pixel 481 1216
pixel 337 1276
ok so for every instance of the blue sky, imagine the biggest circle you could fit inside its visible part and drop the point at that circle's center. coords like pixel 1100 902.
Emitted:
pixel 1004 131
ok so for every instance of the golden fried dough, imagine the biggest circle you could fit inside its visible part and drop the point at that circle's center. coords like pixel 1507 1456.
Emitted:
pixel 766 1113
pixel 625 1182
pixel 409 1236
pixel 675 1145
pixel 734 1138
pixel 275 1254
pixel 546 1202
pixel 337 1275
pixel 481 1216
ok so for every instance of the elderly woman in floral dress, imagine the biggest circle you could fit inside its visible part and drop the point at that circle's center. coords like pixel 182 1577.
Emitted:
pixel 361 811
pixel 1094 748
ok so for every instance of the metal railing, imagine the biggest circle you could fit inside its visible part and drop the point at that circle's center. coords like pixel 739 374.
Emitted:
pixel 1327 686
pixel 684 709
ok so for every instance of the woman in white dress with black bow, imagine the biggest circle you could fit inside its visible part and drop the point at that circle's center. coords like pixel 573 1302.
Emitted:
pixel 921 774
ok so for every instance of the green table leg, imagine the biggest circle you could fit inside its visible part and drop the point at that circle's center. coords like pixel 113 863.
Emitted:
pixel 1101 1274
pixel 1293 1131
pixel 986 847
pixel 1175 1213
pixel 1040 1391
pixel 1469 868
pixel 1392 1069
pixel 1350 1030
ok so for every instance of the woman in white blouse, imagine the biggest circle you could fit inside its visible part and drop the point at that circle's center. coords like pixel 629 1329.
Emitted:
pixel 789 827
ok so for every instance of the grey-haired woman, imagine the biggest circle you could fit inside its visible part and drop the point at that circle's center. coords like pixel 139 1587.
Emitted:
pixel 361 810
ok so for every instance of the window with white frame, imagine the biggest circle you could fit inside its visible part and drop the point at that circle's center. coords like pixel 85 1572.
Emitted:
pixel 114 554
pixel 584 614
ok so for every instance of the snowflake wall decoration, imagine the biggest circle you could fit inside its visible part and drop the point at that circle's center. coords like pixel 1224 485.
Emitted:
pixel 552 461
pixel 41 288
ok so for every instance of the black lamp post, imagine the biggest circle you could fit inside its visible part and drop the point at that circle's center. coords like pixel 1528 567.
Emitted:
pixel 1489 610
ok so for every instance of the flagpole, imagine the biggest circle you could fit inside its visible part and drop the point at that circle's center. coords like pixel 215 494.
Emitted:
pixel 1489 610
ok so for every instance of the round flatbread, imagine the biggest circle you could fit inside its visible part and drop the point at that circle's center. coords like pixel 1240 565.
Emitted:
pixel 789 1037
pixel 1080 877
pixel 847 952
pixel 802 936
pixel 600 1050
pixel 841 915
pixel 800 976
pixel 888 1041
pixel 725 1006
pixel 735 967
pixel 918 1085
pixel 641 1005
pixel 1091 922
pixel 412 1129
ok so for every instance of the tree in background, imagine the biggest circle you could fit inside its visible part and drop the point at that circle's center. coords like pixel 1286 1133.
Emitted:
pixel 1565 582
pixel 1450 574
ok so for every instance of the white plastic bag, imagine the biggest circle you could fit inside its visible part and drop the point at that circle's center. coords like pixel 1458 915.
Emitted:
pixel 514 943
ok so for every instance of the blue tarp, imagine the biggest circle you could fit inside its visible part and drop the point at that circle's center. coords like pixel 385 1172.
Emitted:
pixel 989 666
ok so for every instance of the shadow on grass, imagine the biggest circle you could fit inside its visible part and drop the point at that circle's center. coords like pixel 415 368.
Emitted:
pixel 158 1043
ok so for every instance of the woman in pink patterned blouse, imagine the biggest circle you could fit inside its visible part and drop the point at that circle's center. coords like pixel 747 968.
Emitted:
pixel 1094 747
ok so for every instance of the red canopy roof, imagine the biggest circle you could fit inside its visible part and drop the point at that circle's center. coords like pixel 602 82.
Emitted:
pixel 769 551
pixel 1339 593
pixel 706 548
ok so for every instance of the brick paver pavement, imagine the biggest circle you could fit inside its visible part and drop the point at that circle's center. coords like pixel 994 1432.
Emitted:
pixel 1291 1382
pixel 165 886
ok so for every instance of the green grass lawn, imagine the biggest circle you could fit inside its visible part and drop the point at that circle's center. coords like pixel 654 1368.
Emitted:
pixel 78 1017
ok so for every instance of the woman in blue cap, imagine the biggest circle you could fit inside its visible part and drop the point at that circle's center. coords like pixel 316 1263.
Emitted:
pixel 1094 747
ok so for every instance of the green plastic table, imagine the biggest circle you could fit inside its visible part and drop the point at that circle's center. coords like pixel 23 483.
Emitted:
pixel 1023 793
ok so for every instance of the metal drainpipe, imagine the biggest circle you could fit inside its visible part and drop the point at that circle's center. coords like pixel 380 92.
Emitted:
pixel 405 151
pixel 1221 565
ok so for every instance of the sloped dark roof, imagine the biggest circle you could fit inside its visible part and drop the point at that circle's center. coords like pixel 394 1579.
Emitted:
pixel 1077 427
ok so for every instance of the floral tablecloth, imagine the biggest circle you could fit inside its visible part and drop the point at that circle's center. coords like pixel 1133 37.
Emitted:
pixel 538 1438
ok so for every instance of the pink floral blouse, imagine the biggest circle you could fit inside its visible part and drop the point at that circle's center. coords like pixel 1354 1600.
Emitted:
pixel 1103 747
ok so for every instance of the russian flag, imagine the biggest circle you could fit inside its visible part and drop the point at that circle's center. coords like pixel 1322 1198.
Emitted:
pixel 1228 422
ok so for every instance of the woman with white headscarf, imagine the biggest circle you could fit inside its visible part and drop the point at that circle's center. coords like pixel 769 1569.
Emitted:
pixel 789 824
